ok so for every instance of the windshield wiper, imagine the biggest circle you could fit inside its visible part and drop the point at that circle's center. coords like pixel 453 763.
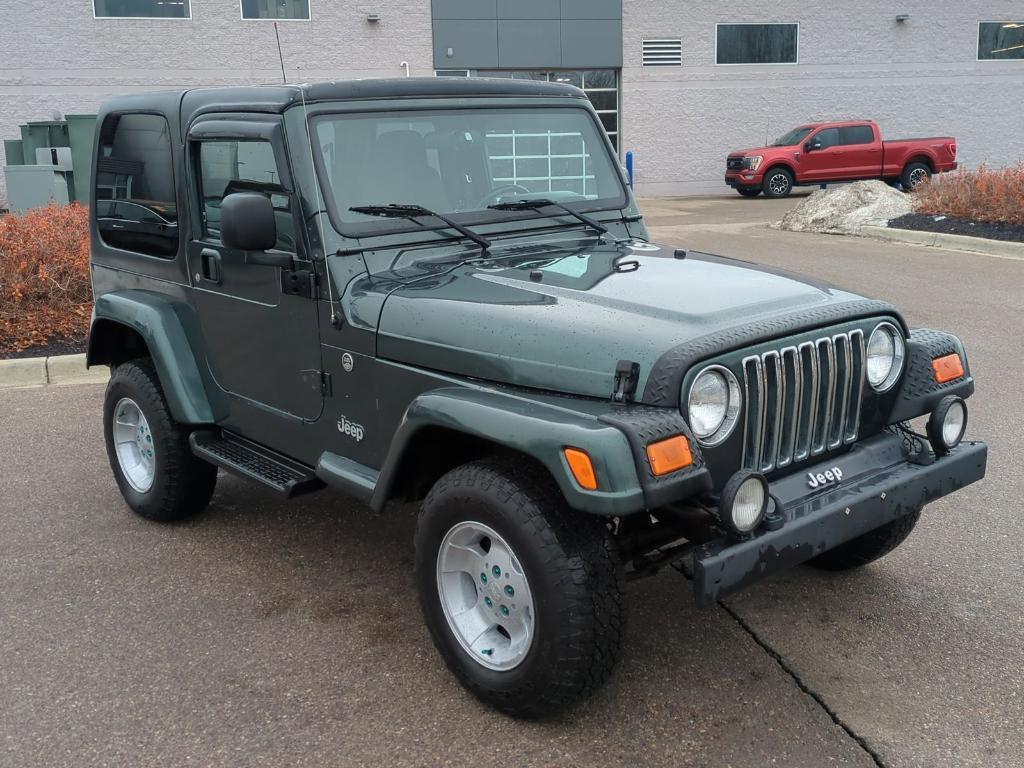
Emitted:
pixel 399 211
pixel 538 203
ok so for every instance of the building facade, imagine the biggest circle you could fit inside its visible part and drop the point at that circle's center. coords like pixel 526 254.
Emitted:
pixel 676 83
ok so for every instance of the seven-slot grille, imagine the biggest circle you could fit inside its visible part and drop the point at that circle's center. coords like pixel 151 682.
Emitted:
pixel 734 164
pixel 802 400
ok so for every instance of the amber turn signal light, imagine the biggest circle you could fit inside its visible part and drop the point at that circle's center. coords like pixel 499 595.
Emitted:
pixel 581 467
pixel 669 455
pixel 947 368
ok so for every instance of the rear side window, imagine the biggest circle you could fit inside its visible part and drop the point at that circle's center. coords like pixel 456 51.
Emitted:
pixel 134 192
pixel 228 166
pixel 856 134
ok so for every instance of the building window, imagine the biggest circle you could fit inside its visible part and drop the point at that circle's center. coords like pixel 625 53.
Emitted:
pixel 295 10
pixel 1001 40
pixel 142 9
pixel 135 200
pixel 757 43
pixel 662 53
pixel 600 85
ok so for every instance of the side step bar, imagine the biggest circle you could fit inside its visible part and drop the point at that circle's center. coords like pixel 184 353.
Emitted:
pixel 252 461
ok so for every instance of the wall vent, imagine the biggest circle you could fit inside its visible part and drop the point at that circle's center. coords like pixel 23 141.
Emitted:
pixel 663 52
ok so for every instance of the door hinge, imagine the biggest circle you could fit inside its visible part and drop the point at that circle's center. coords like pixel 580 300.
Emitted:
pixel 627 375
pixel 299 282
pixel 317 381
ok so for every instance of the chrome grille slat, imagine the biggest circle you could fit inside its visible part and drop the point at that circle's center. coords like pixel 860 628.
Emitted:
pixel 802 401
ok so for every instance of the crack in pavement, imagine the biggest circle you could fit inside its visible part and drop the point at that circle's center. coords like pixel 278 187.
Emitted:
pixel 686 573
pixel 860 740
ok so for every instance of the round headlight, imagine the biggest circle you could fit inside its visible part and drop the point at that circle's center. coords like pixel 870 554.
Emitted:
pixel 885 354
pixel 713 404
pixel 947 424
pixel 744 501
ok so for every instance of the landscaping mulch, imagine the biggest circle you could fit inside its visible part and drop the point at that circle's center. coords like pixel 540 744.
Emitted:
pixel 49 349
pixel 927 222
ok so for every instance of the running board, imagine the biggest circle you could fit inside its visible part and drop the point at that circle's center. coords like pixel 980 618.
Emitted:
pixel 247 459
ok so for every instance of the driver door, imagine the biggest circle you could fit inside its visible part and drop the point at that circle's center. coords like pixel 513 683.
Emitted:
pixel 262 341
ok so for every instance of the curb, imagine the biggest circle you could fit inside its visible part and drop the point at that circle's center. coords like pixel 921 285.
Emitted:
pixel 1002 248
pixel 25 372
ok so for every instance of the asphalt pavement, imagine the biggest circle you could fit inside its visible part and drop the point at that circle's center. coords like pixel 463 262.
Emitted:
pixel 270 633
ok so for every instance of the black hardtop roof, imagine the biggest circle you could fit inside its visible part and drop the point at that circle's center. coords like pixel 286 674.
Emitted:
pixel 277 98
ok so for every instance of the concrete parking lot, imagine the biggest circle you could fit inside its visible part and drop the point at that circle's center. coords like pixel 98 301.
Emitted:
pixel 271 633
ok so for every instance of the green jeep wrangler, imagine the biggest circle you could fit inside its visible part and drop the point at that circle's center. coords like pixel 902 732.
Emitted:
pixel 442 290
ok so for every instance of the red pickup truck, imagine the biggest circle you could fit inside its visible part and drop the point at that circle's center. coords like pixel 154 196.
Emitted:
pixel 820 153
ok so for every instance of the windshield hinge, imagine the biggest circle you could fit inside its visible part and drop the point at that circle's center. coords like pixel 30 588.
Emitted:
pixel 627 375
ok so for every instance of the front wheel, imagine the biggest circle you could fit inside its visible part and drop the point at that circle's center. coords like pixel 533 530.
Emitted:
pixel 521 595
pixel 868 547
pixel 778 182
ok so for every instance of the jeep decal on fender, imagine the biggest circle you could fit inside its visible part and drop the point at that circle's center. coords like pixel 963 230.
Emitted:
pixel 351 429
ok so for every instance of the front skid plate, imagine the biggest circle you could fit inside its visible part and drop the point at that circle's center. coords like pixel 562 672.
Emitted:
pixel 824 520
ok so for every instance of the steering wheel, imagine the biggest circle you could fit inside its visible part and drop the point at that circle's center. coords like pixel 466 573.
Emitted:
pixel 495 194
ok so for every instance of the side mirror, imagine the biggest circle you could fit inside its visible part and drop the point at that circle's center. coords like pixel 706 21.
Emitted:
pixel 247 222
pixel 812 145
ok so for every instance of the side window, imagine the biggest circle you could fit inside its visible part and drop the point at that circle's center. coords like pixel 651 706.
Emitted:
pixel 227 166
pixel 135 200
pixel 827 138
pixel 856 134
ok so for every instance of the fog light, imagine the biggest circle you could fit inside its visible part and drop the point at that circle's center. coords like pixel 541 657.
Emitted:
pixel 744 502
pixel 947 424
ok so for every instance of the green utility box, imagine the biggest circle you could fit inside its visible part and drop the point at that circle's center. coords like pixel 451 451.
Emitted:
pixel 67 146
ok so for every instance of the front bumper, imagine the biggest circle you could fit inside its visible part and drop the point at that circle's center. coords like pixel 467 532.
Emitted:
pixel 744 179
pixel 879 485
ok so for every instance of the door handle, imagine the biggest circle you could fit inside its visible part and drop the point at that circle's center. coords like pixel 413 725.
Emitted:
pixel 210 265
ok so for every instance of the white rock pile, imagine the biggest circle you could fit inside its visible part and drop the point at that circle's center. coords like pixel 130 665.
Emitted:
pixel 844 209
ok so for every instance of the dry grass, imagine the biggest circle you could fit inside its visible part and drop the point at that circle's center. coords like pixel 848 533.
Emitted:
pixel 979 195
pixel 44 277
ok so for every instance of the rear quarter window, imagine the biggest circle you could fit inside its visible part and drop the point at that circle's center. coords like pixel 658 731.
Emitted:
pixel 134 190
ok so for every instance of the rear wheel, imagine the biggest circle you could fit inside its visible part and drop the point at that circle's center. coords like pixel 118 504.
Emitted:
pixel 868 547
pixel 914 175
pixel 749 191
pixel 521 595
pixel 778 182
pixel 159 476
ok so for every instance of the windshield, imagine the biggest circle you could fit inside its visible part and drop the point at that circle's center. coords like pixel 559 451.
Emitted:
pixel 462 161
pixel 793 137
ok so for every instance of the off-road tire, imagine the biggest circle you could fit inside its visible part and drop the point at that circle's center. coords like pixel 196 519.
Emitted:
pixel 572 570
pixel 749 191
pixel 868 547
pixel 910 172
pixel 772 187
pixel 183 484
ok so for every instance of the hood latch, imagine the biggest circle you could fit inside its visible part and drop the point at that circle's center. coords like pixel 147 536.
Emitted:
pixel 627 374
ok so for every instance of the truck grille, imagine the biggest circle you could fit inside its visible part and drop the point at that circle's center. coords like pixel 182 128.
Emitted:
pixel 803 400
pixel 734 164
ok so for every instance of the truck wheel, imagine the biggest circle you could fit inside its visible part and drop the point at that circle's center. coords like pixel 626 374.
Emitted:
pixel 522 596
pixel 749 191
pixel 914 175
pixel 868 547
pixel 778 182
pixel 159 476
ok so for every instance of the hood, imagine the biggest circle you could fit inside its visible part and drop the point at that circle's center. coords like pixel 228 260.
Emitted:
pixel 561 318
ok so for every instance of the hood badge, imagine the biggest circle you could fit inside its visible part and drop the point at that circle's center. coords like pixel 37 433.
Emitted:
pixel 627 375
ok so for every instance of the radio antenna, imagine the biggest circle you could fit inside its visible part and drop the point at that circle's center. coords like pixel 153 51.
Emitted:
pixel 280 56
pixel 335 317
